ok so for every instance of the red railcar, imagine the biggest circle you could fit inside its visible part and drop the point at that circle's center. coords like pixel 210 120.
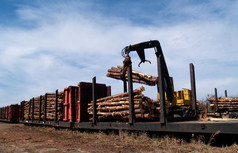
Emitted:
pixel 10 113
pixel 76 99
pixel 4 113
pixel 70 98
pixel 14 111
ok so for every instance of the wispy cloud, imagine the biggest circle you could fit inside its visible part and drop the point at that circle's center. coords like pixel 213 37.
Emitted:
pixel 58 45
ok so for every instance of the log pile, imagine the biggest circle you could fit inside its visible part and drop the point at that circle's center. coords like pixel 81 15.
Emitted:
pixel 3 112
pixel 225 103
pixel 26 109
pixel 116 108
pixel 137 77
pixel 50 108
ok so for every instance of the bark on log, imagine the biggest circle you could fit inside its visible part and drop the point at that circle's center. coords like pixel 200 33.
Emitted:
pixel 225 103
pixel 123 95
pixel 137 77
pixel 116 107
pixel 50 107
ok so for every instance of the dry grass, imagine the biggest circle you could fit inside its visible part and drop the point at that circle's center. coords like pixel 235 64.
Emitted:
pixel 124 142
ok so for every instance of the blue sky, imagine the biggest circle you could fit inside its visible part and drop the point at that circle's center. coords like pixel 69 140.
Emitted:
pixel 49 45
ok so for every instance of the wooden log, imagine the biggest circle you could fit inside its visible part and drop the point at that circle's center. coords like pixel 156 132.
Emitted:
pixel 116 108
pixel 136 76
pixel 231 105
pixel 115 103
pixel 53 93
pixel 135 80
pixel 136 92
pixel 118 76
pixel 136 97
pixel 141 74
pixel 224 99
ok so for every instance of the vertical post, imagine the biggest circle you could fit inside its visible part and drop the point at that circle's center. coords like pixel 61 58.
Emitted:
pixel 216 101
pixel 7 111
pixel 193 90
pixel 131 96
pixel 225 93
pixel 56 106
pixel 22 109
pixel 10 110
pixel 40 104
pixel 3 113
pixel 161 90
pixel 66 104
pixel 206 110
pixel 33 101
pixel 109 91
pixel 29 112
pixel 94 101
pixel 45 108
pixel 124 85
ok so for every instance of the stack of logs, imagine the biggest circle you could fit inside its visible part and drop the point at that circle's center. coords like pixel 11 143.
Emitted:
pixel 4 112
pixel 136 76
pixel 225 103
pixel 50 108
pixel 116 107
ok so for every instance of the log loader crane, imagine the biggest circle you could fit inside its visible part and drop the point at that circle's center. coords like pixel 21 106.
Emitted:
pixel 177 98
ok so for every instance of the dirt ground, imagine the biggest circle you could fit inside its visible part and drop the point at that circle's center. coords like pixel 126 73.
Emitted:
pixel 17 138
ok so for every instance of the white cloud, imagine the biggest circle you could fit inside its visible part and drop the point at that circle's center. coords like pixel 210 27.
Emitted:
pixel 67 45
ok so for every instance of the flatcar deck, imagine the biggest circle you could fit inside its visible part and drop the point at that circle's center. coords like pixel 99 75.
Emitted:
pixel 209 127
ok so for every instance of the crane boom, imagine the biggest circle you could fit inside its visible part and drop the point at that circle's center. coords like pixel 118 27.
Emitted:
pixel 139 48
